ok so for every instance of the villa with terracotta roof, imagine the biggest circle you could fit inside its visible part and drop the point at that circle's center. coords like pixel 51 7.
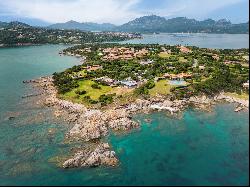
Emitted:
pixel 184 49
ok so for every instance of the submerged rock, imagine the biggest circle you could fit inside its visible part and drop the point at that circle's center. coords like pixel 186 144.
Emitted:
pixel 11 118
pixel 148 120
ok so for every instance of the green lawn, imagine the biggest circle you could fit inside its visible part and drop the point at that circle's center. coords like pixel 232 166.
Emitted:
pixel 86 85
pixel 164 55
pixel 161 87
pixel 182 59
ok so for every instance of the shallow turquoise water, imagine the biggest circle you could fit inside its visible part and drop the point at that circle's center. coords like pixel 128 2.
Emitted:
pixel 217 41
pixel 200 148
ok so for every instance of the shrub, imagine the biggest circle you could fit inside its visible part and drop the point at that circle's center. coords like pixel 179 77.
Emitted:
pixel 96 86
pixel 91 101
pixel 141 91
pixel 144 89
pixel 79 92
pixel 64 82
pixel 150 84
pixel 106 99
pixel 87 98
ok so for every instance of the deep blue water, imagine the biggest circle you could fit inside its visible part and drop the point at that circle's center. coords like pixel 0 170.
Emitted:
pixel 203 40
pixel 198 149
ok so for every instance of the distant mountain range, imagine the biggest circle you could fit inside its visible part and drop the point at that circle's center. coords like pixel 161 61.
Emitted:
pixel 87 26
pixel 155 24
pixel 151 24
pixel 182 24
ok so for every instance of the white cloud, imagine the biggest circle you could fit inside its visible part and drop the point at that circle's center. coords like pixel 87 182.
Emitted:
pixel 115 11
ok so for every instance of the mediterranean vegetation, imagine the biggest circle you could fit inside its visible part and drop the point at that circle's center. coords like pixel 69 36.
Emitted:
pixel 119 73
pixel 18 34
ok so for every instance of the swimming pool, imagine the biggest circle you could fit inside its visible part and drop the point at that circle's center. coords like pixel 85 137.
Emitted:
pixel 178 83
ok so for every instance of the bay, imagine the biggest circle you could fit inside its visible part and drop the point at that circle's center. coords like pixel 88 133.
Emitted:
pixel 198 149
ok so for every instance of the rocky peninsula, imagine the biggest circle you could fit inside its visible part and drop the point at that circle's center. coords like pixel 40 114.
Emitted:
pixel 94 124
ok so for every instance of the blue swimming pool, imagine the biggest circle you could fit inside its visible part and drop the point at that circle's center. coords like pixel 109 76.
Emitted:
pixel 178 83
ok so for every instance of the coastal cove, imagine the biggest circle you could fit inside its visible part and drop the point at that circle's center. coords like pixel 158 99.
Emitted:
pixel 164 151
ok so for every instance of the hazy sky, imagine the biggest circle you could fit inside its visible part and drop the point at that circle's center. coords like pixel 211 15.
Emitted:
pixel 121 11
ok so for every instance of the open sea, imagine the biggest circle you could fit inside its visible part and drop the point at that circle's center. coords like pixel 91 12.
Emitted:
pixel 198 148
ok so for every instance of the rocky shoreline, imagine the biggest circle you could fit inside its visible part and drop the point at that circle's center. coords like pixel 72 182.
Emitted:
pixel 90 125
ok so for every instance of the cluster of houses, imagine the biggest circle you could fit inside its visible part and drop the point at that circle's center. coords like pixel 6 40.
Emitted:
pixel 123 53
pixel 120 34
pixel 84 50
pixel 129 83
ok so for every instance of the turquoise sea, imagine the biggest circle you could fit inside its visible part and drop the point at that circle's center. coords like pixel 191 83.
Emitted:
pixel 198 148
